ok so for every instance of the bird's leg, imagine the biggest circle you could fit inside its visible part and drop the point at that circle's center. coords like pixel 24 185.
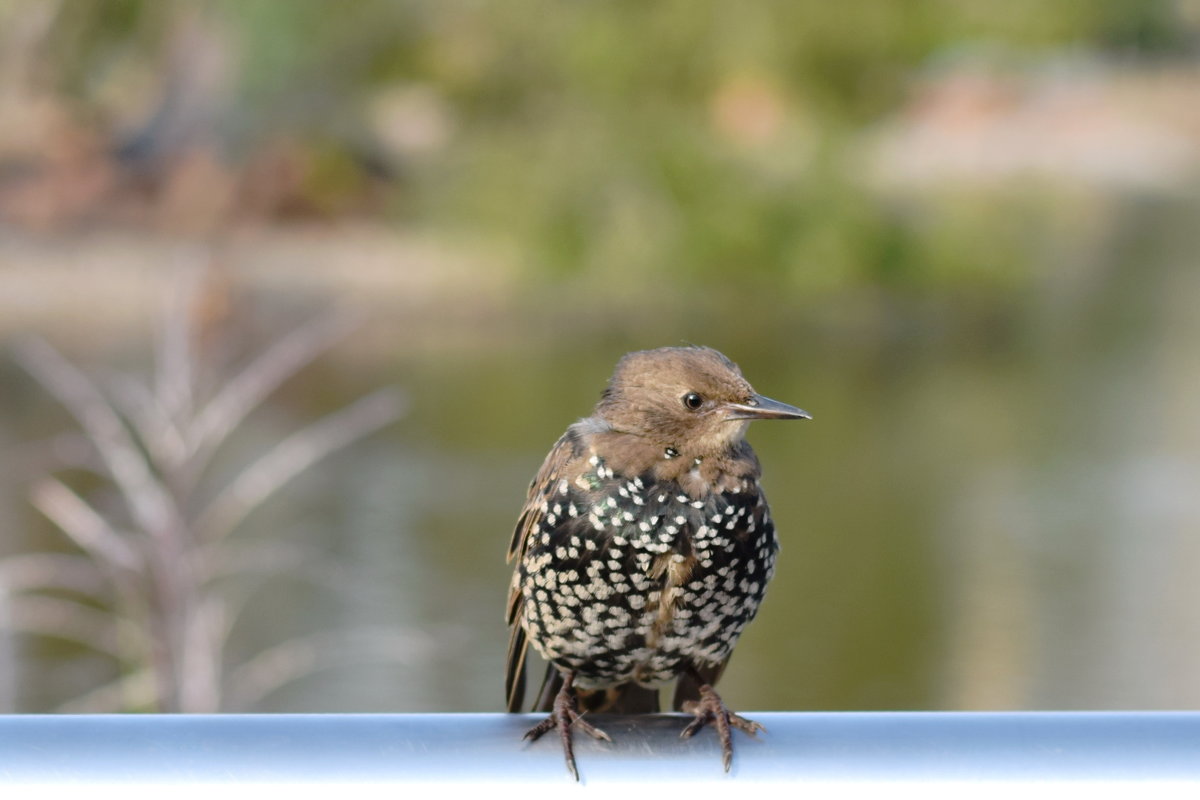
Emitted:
pixel 710 708
pixel 564 716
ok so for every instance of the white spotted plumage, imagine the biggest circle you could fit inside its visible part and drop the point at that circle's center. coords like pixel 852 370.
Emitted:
pixel 615 618
pixel 644 546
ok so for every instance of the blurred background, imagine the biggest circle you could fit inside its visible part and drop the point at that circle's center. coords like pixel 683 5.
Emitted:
pixel 295 296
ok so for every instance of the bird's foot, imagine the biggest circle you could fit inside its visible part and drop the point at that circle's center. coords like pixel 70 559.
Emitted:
pixel 710 708
pixel 564 716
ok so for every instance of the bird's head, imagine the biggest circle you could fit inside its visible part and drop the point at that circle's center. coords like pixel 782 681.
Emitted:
pixel 692 399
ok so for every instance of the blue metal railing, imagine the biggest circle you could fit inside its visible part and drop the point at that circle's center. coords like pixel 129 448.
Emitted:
pixel 839 754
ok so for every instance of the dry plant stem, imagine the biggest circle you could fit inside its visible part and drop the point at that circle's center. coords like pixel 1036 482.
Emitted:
pixel 154 439
pixel 291 457
pixel 123 461
pixel 250 387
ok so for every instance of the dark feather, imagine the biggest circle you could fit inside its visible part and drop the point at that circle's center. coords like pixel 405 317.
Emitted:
pixel 687 687
pixel 552 682
pixel 531 514
pixel 514 671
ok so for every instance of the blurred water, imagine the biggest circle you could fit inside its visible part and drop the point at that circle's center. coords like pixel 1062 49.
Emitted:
pixel 994 506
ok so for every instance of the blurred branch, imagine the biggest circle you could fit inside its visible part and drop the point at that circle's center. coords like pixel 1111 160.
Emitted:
pixel 25 461
pixel 84 525
pixel 243 393
pixel 41 571
pixel 148 502
pixel 174 383
pixel 132 690
pixel 231 559
pixel 150 420
pixel 306 655
pixel 170 568
pixel 60 618
pixel 292 456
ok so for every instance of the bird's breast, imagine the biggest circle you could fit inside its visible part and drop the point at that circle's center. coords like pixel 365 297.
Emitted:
pixel 634 575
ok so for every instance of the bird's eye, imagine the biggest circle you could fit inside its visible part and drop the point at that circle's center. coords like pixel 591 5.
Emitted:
pixel 693 400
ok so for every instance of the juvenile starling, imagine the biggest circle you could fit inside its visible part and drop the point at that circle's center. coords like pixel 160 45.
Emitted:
pixel 644 547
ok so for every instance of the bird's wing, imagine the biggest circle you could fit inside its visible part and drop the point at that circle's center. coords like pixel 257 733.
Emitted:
pixel 564 450
pixel 514 668
pixel 527 524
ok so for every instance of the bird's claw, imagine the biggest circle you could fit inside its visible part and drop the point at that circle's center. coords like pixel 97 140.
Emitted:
pixel 710 708
pixel 564 716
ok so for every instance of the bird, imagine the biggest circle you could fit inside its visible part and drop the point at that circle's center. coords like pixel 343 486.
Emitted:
pixel 644 548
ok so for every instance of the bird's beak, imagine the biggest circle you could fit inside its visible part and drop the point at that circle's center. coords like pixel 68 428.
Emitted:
pixel 759 407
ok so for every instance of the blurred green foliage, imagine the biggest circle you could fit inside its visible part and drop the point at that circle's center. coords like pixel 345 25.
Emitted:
pixel 673 139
